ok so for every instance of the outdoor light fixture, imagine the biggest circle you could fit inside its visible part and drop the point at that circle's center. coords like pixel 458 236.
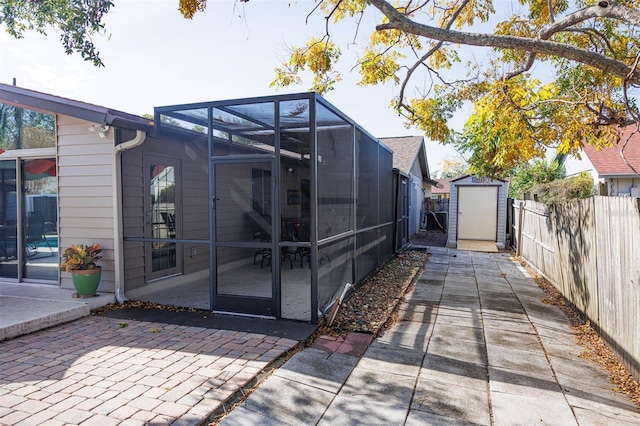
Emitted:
pixel 102 129
pixel 291 170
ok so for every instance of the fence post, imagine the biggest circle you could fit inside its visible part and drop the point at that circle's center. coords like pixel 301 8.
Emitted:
pixel 520 220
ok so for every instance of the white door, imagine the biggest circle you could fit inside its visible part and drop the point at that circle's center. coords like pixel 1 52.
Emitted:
pixel 477 212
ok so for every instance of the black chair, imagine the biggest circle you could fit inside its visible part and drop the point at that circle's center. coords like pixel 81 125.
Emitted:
pixel 35 232
pixel 256 223
pixel 260 227
pixel 300 232
pixel 169 220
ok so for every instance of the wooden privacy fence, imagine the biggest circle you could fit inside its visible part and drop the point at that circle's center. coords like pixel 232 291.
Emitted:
pixel 590 250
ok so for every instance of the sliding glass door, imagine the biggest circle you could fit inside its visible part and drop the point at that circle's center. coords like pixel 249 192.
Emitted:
pixel 29 220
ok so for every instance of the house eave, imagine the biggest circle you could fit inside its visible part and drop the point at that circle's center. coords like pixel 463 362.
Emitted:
pixel 619 176
pixel 93 113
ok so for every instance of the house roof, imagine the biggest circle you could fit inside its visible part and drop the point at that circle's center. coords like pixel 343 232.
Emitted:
pixel 49 103
pixel 609 163
pixel 445 189
pixel 406 150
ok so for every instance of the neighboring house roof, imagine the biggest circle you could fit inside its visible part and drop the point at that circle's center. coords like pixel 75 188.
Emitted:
pixel 49 103
pixel 406 151
pixel 609 163
pixel 445 189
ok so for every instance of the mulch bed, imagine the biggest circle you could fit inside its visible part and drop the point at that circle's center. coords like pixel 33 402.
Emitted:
pixel 370 307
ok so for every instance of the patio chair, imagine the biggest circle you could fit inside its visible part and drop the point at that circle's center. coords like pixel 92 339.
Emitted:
pixel 169 220
pixel 258 225
pixel 35 232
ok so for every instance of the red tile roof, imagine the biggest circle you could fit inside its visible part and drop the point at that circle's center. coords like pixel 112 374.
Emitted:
pixel 446 187
pixel 609 162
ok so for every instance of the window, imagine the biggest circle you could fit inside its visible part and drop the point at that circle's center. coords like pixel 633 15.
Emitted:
pixel 22 128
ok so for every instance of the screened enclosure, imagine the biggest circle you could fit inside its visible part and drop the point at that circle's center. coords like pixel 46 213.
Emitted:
pixel 264 206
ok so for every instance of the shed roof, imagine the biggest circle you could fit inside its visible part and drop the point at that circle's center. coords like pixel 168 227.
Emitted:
pixel 94 113
pixel 406 149
pixel 608 162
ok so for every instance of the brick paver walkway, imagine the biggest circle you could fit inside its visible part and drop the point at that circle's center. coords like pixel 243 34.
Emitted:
pixel 103 371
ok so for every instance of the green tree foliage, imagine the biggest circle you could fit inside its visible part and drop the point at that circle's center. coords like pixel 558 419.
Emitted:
pixel 78 21
pixel 561 191
pixel 535 173
pixel 451 168
pixel 590 47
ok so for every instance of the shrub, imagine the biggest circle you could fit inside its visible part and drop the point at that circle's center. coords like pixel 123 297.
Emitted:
pixel 560 191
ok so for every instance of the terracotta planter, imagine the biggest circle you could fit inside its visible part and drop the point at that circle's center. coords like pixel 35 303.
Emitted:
pixel 86 281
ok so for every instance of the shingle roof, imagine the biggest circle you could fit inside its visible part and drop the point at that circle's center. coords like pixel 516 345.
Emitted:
pixel 405 150
pixel 609 162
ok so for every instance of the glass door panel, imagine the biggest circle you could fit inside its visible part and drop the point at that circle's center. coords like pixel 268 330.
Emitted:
pixel 40 219
pixel 163 216
pixel 243 237
pixel 8 220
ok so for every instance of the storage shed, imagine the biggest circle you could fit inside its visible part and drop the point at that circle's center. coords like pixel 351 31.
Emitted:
pixel 478 210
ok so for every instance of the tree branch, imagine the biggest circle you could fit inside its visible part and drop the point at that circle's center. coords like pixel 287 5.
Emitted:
pixel 618 68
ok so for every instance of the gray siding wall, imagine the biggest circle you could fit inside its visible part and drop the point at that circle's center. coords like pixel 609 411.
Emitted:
pixel 85 193
pixel 502 210
pixel 193 206
pixel 416 199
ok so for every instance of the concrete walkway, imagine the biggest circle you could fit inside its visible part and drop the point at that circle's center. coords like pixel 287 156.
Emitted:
pixel 477 347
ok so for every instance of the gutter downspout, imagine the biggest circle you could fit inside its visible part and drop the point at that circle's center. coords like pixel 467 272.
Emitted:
pixel 118 248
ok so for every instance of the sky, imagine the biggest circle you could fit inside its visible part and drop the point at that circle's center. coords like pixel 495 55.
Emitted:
pixel 155 57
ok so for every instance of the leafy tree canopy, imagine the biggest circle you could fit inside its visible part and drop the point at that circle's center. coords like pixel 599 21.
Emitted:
pixel 592 49
pixel 77 21
pixel 535 173
pixel 451 168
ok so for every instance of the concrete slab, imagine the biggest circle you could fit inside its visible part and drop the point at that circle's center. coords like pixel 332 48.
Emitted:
pixel 509 410
pixel 595 416
pixel 19 315
pixel 241 416
pixel 421 418
pixel 457 317
pixel 517 382
pixel 454 372
pixel 363 411
pixel 395 361
pixel 471 352
pixel 424 294
pixel 533 362
pixel 318 369
pixel 508 324
pixel 418 312
pixel 444 332
pixel 26 308
pixel 288 401
pixel 442 399
pixel 407 335
pixel 394 389
pixel 521 340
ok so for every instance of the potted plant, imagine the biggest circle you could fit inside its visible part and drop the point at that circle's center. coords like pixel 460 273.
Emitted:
pixel 81 262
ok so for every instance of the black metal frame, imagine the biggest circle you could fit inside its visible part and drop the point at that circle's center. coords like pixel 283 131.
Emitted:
pixel 274 132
